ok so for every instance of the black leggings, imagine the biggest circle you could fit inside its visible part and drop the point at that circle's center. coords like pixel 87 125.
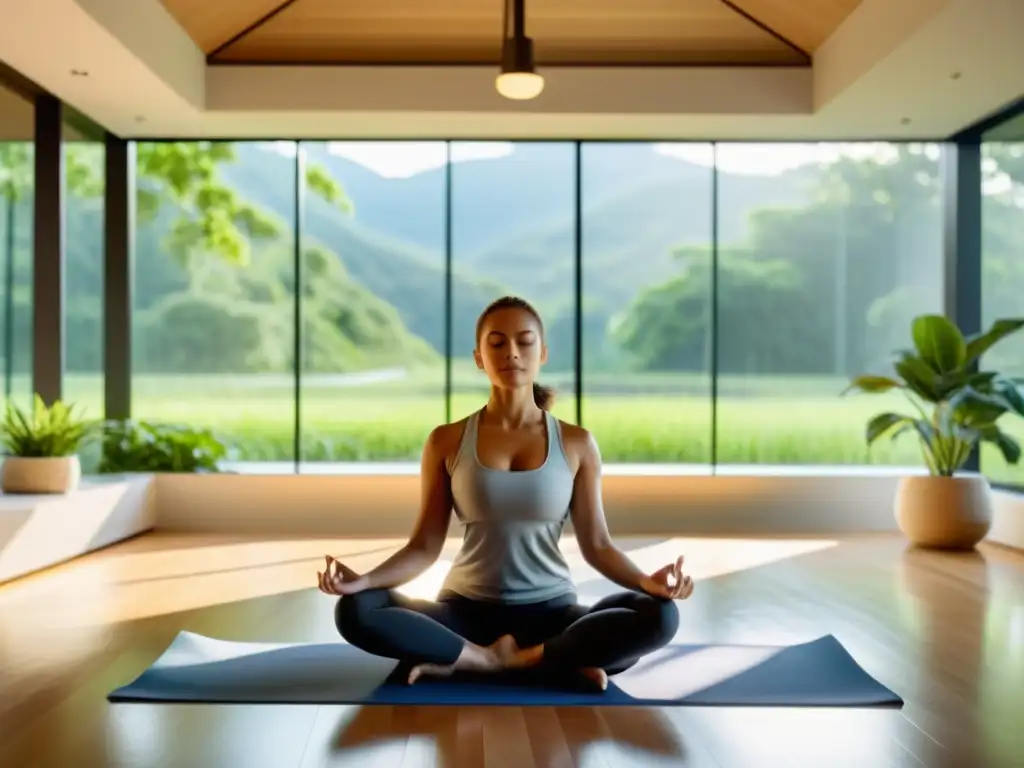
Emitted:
pixel 612 634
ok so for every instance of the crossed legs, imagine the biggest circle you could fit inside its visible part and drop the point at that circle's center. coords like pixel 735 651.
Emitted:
pixel 440 637
pixel 613 634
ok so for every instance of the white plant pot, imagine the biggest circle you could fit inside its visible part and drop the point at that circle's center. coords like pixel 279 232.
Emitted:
pixel 30 474
pixel 944 512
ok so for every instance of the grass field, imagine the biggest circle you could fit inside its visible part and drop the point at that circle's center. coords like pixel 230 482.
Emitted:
pixel 657 419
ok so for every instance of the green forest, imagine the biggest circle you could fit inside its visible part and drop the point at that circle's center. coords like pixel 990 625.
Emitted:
pixel 820 270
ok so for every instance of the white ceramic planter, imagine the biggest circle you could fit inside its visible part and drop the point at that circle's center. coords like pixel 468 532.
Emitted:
pixel 944 512
pixel 24 474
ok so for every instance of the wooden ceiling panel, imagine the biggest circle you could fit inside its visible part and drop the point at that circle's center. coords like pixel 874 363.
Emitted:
pixel 565 32
pixel 806 23
pixel 211 23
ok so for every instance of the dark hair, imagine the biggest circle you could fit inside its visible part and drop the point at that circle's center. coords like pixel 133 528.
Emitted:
pixel 543 396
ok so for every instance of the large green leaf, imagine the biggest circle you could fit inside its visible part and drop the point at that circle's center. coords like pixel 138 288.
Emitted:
pixel 919 376
pixel 1007 445
pixel 973 408
pixel 939 342
pixel 882 423
pixel 1010 391
pixel 873 384
pixel 980 343
pixel 907 426
pixel 982 381
pixel 947 384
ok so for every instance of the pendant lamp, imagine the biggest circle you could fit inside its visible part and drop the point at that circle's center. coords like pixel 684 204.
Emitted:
pixel 517 80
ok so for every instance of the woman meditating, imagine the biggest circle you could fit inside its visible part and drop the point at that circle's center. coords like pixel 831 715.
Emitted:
pixel 514 474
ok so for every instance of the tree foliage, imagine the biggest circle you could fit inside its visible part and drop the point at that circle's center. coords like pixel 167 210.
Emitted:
pixel 213 218
pixel 15 170
pixel 824 282
pixel 826 287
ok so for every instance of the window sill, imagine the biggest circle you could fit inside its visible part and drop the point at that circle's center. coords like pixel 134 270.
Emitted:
pixel 619 470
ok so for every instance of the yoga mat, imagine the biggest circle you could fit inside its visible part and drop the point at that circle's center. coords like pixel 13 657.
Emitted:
pixel 195 668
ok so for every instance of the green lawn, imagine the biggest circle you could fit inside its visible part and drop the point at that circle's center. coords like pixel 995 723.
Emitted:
pixel 761 420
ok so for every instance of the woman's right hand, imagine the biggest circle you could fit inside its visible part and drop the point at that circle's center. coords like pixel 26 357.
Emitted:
pixel 339 580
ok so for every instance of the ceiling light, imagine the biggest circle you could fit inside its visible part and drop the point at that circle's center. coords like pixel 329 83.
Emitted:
pixel 520 86
pixel 517 80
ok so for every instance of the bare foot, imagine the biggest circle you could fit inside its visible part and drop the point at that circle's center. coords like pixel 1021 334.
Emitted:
pixel 474 658
pixel 597 676
pixel 430 670
pixel 506 652
pixel 511 656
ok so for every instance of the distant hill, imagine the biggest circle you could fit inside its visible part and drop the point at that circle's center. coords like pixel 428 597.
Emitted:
pixel 513 223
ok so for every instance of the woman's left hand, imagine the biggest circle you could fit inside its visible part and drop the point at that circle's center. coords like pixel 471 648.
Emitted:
pixel 669 582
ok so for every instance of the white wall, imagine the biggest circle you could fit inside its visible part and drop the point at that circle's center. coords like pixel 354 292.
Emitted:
pixel 37 532
pixel 1008 519
pixel 40 531
pixel 386 505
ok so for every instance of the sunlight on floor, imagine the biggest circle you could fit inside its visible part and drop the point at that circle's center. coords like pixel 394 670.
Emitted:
pixel 710 558
pixel 704 559
pixel 428 584
pixel 188 574
pixel 692 672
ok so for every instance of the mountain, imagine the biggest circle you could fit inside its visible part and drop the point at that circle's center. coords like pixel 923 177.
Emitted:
pixel 513 222
pixel 493 199
pixel 407 275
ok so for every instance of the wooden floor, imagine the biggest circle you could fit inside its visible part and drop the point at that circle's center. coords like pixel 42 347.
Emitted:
pixel 944 631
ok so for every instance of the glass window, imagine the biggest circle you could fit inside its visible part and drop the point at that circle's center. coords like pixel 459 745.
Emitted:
pixel 513 222
pixel 373 300
pixel 214 289
pixel 647 230
pixel 17 183
pixel 84 259
pixel 826 253
pixel 1002 286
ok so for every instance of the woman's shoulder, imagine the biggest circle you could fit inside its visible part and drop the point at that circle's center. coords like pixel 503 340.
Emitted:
pixel 579 442
pixel 444 439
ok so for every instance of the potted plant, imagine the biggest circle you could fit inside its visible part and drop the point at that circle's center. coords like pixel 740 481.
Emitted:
pixel 956 407
pixel 140 446
pixel 41 448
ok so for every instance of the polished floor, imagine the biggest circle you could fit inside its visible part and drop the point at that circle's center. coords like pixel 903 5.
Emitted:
pixel 946 631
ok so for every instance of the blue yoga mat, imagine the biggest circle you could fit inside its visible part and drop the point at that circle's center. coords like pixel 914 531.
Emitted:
pixel 819 673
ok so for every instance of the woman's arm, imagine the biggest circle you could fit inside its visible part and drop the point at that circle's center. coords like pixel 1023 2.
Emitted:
pixel 588 518
pixel 594 539
pixel 427 540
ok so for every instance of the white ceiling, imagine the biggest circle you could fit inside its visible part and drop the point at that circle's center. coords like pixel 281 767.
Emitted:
pixel 894 68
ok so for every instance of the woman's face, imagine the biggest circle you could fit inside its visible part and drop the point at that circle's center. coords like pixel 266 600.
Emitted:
pixel 510 349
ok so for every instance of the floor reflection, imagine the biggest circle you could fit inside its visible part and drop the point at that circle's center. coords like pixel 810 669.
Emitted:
pixel 953 595
pixel 554 735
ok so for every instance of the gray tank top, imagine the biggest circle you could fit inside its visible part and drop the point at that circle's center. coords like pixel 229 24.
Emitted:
pixel 512 523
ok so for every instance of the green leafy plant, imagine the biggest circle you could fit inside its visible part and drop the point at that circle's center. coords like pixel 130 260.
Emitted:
pixel 941 373
pixel 43 431
pixel 139 446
